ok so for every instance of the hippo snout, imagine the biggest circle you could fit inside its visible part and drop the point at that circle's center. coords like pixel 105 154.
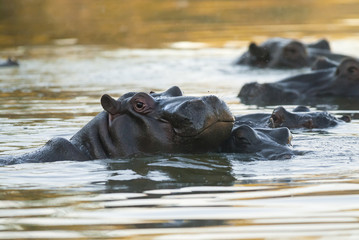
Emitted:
pixel 281 135
pixel 196 115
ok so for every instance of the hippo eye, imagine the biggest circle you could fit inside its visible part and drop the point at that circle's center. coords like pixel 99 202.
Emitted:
pixel 292 50
pixel 142 103
pixel 139 105
pixel 352 69
pixel 244 141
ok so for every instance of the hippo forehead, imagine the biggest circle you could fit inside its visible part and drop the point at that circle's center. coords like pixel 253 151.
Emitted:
pixel 277 44
pixel 171 92
pixel 172 102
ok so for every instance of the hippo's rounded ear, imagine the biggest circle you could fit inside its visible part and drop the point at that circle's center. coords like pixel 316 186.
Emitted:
pixel 301 108
pixel 253 48
pixel 110 105
pixel 320 44
pixel 173 92
pixel 261 53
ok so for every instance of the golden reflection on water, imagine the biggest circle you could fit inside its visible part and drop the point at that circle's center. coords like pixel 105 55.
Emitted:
pixel 151 23
pixel 62 199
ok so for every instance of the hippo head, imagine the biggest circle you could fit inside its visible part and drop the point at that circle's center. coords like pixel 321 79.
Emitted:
pixel 165 122
pixel 267 143
pixel 346 78
pixel 290 54
pixel 301 117
pixel 277 53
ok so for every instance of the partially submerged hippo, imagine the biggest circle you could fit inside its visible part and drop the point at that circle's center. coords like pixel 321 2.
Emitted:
pixel 300 117
pixel 140 123
pixel 268 136
pixel 10 62
pixel 286 53
pixel 329 83
pixel 264 142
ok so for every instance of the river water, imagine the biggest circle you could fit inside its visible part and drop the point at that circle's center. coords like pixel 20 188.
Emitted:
pixel 56 91
pixel 158 44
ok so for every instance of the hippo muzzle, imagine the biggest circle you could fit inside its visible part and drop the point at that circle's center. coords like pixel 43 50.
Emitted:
pixel 193 117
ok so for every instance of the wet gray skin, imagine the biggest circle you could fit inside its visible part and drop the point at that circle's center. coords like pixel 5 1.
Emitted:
pixel 300 117
pixel 264 142
pixel 141 123
pixel 286 53
pixel 323 63
pixel 318 86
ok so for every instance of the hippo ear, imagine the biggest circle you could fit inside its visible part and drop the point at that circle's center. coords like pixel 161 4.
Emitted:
pixel 301 108
pixel 110 105
pixel 253 48
pixel 321 44
pixel 261 53
pixel 173 92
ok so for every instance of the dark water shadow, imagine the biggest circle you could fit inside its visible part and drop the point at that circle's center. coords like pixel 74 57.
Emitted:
pixel 171 171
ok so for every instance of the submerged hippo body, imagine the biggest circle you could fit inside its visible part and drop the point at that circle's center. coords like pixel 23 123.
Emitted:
pixel 329 83
pixel 268 136
pixel 300 117
pixel 140 123
pixel 264 142
pixel 10 62
pixel 286 53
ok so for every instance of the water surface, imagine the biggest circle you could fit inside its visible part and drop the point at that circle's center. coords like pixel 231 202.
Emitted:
pixel 72 52
pixel 205 196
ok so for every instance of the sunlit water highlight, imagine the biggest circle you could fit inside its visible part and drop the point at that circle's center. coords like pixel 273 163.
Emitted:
pixel 314 195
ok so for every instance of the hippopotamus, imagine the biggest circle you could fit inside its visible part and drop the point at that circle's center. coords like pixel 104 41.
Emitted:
pixel 10 62
pixel 330 83
pixel 286 53
pixel 300 117
pixel 264 142
pixel 142 123
pixel 268 136
pixel 151 123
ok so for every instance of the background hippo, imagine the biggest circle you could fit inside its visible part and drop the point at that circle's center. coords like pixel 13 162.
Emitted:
pixel 10 62
pixel 300 117
pixel 286 53
pixel 140 123
pixel 328 85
